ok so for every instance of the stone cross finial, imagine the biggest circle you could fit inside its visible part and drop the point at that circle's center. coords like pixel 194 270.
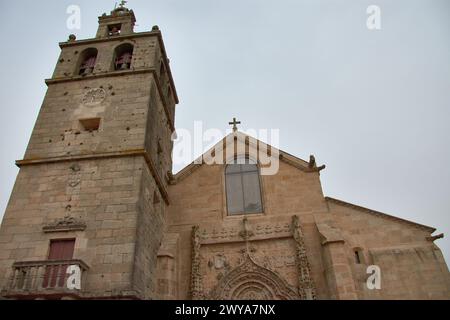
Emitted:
pixel 122 3
pixel 234 123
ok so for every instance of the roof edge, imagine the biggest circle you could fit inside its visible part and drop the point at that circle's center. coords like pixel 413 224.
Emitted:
pixel 283 156
pixel 382 214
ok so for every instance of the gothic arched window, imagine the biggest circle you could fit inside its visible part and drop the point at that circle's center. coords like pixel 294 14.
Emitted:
pixel 87 61
pixel 243 187
pixel 123 57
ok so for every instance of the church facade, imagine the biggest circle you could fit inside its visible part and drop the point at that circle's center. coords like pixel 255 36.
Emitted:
pixel 96 212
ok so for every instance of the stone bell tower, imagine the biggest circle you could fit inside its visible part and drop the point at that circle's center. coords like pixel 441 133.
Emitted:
pixel 92 187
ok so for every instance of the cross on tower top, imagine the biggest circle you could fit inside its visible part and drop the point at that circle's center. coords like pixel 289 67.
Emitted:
pixel 234 123
pixel 122 3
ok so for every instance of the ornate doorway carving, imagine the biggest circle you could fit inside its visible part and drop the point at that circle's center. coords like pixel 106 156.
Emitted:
pixel 250 281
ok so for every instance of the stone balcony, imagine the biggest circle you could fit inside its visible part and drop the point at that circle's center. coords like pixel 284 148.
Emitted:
pixel 43 280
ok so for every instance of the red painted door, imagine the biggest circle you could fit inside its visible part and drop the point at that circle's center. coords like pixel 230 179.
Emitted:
pixel 59 250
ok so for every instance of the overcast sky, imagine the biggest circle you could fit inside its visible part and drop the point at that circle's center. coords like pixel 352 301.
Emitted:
pixel 374 106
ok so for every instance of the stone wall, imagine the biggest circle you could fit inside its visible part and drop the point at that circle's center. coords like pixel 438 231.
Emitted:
pixel 68 170
pixel 199 199
pixel 122 109
pixel 412 267
pixel 150 226
pixel 102 193
pixel 144 56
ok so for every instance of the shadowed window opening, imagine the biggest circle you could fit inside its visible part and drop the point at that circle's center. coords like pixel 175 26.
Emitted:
pixel 90 125
pixel 358 256
pixel 123 57
pixel 87 61
pixel 114 29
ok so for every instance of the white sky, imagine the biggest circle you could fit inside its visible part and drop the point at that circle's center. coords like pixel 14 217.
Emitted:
pixel 374 106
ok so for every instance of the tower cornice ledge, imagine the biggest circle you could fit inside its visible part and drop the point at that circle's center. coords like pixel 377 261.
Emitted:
pixel 155 33
pixel 95 156
pixel 100 75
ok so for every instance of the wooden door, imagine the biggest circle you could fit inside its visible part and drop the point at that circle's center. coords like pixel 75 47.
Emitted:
pixel 59 250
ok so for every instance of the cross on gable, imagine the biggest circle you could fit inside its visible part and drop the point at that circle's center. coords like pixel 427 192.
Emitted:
pixel 234 123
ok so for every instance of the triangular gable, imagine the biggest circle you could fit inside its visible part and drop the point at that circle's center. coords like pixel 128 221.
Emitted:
pixel 291 160
pixel 252 143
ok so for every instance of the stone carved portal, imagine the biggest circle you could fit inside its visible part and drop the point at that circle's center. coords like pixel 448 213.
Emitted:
pixel 249 281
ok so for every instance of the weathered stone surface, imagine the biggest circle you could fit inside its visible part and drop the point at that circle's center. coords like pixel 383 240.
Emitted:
pixel 331 230
pixel 92 185
pixel 98 170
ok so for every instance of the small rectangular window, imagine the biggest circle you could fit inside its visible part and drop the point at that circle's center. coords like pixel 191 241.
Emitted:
pixel 114 29
pixel 92 124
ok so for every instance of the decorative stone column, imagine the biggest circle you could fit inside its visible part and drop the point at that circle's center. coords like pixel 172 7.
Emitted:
pixel 306 286
pixel 196 276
